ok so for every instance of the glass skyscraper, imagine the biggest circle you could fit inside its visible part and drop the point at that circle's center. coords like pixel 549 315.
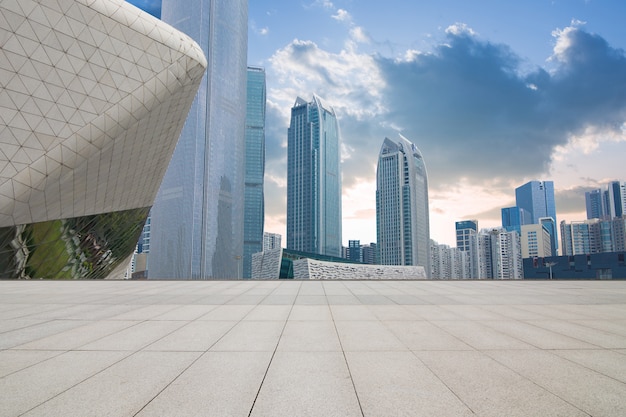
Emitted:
pixel 254 211
pixel 537 199
pixel 197 218
pixel 313 179
pixel 402 216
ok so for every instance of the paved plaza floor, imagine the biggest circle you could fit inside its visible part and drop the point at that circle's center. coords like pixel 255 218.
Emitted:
pixel 312 348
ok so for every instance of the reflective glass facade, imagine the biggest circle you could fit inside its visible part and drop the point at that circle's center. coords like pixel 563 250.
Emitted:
pixel 313 179
pixel 254 212
pixel 402 214
pixel 197 218
pixel 537 199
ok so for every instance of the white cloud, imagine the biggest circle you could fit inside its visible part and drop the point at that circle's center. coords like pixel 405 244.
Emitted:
pixel 459 29
pixel 342 15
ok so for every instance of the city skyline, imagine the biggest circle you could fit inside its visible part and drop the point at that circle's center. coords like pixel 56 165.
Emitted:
pixel 494 95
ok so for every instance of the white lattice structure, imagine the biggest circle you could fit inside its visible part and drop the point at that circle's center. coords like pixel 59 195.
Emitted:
pixel 314 269
pixel 93 96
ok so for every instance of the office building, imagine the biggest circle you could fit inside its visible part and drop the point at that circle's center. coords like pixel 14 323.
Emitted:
pixel 254 210
pixel 537 199
pixel 615 199
pixel 514 217
pixel 370 253
pixel 197 218
pixel 402 218
pixel 313 179
pixel 88 106
pixel 594 203
pixel 354 251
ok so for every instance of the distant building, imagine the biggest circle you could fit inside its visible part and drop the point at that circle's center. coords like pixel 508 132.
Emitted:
pixel 615 199
pixel 467 242
pixel 594 202
pixel 287 264
pixel 449 263
pixel 354 251
pixel 535 241
pixel 537 199
pixel 609 265
pixel 514 217
pixel 313 179
pixel 500 254
pixel 593 236
pixel 254 202
pixel 402 217
pixel 271 241
pixel 370 254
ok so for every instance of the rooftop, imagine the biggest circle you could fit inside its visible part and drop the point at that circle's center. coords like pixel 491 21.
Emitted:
pixel 313 348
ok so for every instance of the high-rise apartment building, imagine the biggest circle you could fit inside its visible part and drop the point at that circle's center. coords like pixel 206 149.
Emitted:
pixel 271 241
pixel 467 241
pixel 370 254
pixel 402 216
pixel 254 208
pixel 535 240
pixel 197 218
pixel 500 254
pixel 593 236
pixel 313 179
pixel 537 199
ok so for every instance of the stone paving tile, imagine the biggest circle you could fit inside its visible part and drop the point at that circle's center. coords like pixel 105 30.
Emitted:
pixel 480 336
pixel 398 384
pixel 26 389
pixel 306 312
pixel 599 395
pixel 423 335
pixel 537 336
pixel 79 336
pixel 227 312
pixel 348 348
pixel 573 329
pixel 135 337
pixel 251 336
pixel 196 336
pixel 491 389
pixel 15 360
pixel 308 336
pixel 218 384
pixel 18 337
pixel 367 336
pixel 120 390
pixel 604 361
pixel 307 384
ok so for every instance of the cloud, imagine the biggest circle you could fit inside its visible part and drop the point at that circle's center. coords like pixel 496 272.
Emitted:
pixel 342 16
pixel 476 112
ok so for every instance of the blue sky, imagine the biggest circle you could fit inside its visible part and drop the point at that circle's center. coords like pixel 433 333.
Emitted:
pixel 494 93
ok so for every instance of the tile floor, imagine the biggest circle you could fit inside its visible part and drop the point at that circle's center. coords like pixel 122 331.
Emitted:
pixel 311 348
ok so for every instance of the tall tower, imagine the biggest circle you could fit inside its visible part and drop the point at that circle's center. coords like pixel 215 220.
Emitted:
pixel 615 199
pixel 594 202
pixel 197 218
pixel 313 179
pixel 254 211
pixel 537 199
pixel 402 224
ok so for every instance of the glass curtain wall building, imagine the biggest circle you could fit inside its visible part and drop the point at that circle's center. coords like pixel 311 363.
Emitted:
pixel 537 199
pixel 197 219
pixel 402 216
pixel 313 179
pixel 254 211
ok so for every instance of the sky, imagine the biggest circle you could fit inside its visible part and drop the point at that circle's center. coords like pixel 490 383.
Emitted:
pixel 494 94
